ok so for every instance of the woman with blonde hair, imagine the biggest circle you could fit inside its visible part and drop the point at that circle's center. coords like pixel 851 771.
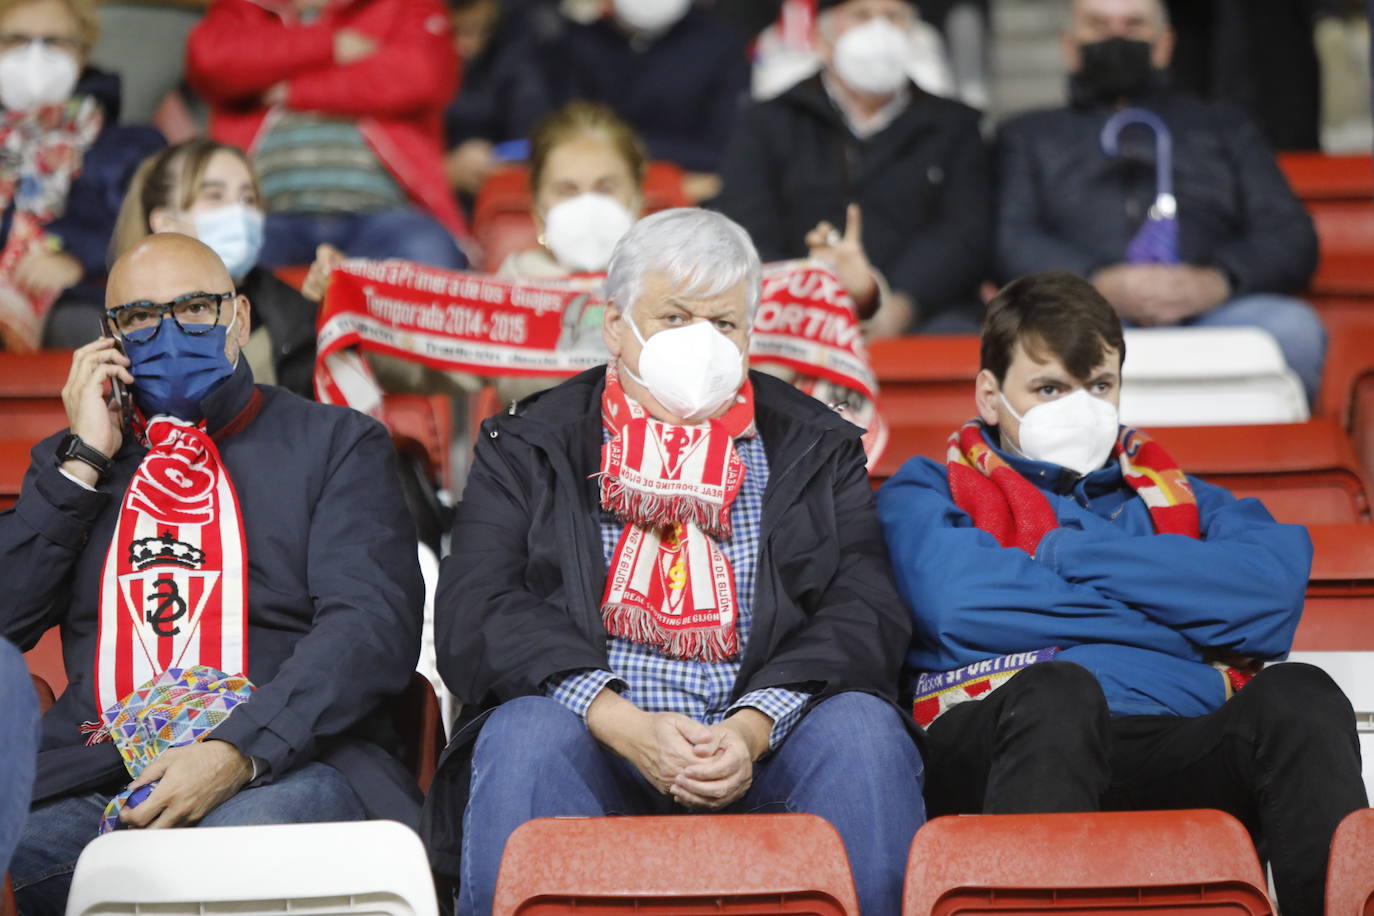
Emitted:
pixel 208 190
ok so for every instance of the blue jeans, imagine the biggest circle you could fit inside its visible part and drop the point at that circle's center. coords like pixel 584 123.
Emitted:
pixel 850 761
pixel 58 830
pixel 1294 324
pixel 18 747
pixel 291 238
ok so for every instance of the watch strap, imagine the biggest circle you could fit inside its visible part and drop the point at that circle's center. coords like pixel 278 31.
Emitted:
pixel 73 447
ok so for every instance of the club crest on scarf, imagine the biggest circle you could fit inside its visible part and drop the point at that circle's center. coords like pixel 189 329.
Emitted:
pixel 670 585
pixel 175 589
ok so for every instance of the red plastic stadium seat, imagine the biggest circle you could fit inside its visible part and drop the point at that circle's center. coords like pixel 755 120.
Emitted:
pixel 501 219
pixel 906 442
pixel 1338 615
pixel 1305 473
pixel 45 661
pixel 31 396
pixel 14 461
pixel 293 275
pixel 40 374
pixel 1346 232
pixel 1350 874
pixel 1174 862
pixel 419 722
pixel 480 406
pixel 926 381
pixel 422 425
pixel 656 866
pixel 1317 176
pixel 1347 395
pixel 45 694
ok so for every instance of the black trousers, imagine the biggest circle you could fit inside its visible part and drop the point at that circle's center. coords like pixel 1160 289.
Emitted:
pixel 1281 756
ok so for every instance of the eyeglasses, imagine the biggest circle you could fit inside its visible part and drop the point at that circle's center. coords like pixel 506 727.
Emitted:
pixel 10 41
pixel 194 313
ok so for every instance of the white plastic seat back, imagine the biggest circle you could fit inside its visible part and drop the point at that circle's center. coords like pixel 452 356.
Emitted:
pixel 1353 672
pixel 1208 377
pixel 360 867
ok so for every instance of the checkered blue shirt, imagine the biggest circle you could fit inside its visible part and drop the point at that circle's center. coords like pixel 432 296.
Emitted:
pixel 696 689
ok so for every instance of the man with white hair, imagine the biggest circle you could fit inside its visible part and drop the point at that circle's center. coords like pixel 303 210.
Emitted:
pixel 668 591
pixel 1173 208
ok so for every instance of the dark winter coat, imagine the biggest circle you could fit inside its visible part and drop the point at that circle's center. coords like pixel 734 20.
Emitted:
pixel 519 597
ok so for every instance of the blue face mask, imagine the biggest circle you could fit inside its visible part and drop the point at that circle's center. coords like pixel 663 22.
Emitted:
pixel 175 370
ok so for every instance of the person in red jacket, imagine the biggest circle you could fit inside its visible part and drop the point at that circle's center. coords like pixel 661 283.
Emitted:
pixel 340 103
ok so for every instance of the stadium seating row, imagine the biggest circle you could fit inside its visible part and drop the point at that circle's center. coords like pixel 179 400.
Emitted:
pixel 1168 863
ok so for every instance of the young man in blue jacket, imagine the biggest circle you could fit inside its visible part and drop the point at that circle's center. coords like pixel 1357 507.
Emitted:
pixel 1134 606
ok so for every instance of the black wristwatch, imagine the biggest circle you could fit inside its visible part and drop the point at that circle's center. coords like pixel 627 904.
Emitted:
pixel 71 447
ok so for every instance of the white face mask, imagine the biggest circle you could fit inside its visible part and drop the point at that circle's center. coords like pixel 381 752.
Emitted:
pixel 1076 431
pixel 233 232
pixel 582 231
pixel 691 370
pixel 35 75
pixel 651 15
pixel 873 57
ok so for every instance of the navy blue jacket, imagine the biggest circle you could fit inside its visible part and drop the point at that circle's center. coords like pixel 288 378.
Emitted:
pixel 93 200
pixel 1064 204
pixel 923 183
pixel 334 593
pixel 1143 612
pixel 681 92
pixel 503 93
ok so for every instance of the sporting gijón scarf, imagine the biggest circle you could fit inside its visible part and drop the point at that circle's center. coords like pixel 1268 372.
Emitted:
pixel 175 588
pixel 670 586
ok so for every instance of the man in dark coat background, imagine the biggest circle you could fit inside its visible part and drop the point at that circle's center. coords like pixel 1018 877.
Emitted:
pixel 334 593
pixel 569 710
pixel 1245 245
pixel 862 132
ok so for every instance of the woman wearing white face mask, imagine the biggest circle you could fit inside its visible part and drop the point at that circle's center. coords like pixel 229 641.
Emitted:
pixel 208 190
pixel 62 163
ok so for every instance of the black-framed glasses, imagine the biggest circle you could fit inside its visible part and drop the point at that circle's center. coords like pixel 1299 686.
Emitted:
pixel 194 313
pixel 10 41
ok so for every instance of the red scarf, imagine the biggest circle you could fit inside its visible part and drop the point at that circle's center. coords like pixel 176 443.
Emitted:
pixel 175 587
pixel 1013 510
pixel 670 586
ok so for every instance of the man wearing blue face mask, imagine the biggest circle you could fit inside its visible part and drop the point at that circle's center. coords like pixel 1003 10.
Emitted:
pixel 668 591
pixel 1090 622
pixel 221 524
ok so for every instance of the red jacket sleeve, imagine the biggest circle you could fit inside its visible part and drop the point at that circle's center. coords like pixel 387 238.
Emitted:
pixel 240 50
pixel 414 69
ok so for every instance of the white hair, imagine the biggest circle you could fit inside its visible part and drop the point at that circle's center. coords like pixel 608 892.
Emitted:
pixel 700 252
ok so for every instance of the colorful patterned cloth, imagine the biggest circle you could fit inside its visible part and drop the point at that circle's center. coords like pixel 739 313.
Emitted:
pixel 40 153
pixel 177 707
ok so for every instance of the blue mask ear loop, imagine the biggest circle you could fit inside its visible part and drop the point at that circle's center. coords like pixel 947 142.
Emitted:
pixel 1164 210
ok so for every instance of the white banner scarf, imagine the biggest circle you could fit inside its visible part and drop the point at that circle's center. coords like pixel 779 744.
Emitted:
pixel 459 321
pixel 174 591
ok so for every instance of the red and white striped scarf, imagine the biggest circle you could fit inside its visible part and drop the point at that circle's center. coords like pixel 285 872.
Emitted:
pixel 670 585
pixel 174 593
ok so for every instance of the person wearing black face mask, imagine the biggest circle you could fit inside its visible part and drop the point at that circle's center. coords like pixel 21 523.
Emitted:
pixel 229 525
pixel 1174 208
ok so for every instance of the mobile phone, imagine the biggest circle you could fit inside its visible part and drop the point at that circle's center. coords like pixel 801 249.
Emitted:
pixel 121 391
